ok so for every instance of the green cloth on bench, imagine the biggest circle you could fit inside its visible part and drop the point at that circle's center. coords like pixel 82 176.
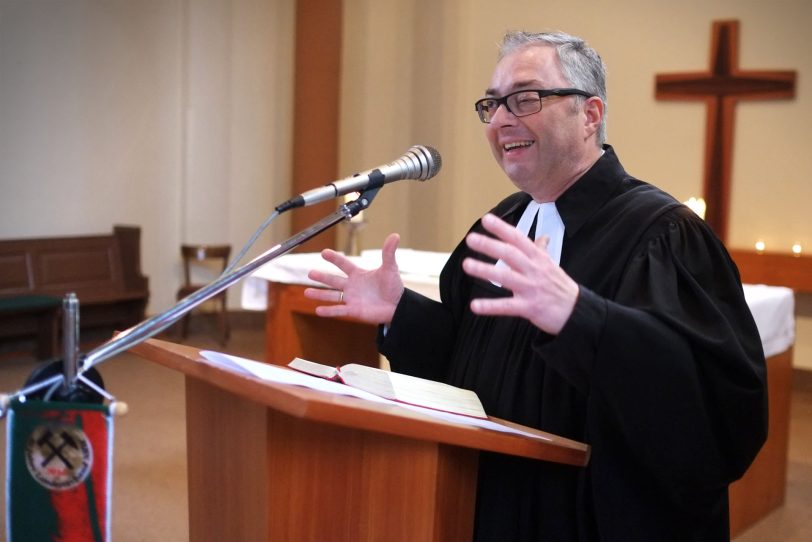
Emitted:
pixel 29 303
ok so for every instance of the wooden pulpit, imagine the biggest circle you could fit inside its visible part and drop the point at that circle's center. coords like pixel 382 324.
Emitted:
pixel 270 461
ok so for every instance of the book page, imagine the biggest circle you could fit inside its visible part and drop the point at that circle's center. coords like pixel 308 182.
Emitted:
pixel 413 390
pixel 369 379
pixel 282 375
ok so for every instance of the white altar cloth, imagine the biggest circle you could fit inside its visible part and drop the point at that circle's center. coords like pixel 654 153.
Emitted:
pixel 773 307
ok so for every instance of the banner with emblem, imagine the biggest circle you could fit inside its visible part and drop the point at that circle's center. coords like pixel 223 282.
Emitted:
pixel 59 472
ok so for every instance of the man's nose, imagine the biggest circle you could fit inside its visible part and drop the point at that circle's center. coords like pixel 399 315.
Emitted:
pixel 502 115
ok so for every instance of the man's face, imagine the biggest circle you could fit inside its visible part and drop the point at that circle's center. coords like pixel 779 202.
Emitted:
pixel 540 152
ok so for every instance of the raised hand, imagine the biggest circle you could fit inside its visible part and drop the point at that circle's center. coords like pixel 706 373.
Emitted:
pixel 367 295
pixel 542 292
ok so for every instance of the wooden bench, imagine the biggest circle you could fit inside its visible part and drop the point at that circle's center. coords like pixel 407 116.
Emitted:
pixel 104 271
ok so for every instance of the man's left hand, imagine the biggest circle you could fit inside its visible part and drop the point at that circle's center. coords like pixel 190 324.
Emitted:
pixel 542 292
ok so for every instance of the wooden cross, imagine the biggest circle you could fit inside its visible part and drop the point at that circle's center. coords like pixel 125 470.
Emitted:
pixel 721 88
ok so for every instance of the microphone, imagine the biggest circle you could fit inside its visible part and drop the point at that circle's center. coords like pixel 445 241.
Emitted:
pixel 418 163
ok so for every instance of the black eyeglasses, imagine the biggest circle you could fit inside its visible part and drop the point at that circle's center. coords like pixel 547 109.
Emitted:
pixel 522 102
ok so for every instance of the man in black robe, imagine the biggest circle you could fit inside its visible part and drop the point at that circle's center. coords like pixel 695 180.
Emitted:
pixel 620 322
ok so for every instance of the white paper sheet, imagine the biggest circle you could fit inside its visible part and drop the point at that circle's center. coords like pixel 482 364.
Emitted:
pixel 283 375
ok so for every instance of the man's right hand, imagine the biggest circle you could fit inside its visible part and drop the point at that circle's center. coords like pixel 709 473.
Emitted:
pixel 367 295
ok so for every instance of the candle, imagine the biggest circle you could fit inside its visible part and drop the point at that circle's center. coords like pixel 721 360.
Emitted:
pixel 760 246
pixel 697 205
pixel 796 249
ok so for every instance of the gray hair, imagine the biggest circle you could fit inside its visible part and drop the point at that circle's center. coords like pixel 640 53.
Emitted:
pixel 581 64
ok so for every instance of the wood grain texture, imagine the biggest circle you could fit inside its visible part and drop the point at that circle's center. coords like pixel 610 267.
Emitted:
pixel 774 269
pixel 316 108
pixel 294 330
pixel 763 487
pixel 281 462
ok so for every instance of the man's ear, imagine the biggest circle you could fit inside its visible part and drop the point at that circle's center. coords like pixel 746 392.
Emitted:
pixel 593 114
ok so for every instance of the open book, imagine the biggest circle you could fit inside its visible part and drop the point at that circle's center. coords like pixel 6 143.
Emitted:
pixel 398 387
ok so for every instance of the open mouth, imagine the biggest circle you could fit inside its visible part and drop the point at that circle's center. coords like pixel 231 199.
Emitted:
pixel 515 145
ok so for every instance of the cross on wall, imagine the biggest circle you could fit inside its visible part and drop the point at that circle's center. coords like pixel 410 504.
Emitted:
pixel 721 88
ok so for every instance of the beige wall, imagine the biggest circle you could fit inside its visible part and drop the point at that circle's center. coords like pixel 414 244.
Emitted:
pixel 413 69
pixel 175 114
pixel 160 113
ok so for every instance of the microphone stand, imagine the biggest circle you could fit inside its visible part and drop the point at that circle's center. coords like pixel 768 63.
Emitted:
pixel 159 322
pixel 74 368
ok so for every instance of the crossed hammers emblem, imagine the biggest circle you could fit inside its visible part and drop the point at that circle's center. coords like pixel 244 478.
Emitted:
pixel 56 451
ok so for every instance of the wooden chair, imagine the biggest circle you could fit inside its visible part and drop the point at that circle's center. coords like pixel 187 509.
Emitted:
pixel 200 254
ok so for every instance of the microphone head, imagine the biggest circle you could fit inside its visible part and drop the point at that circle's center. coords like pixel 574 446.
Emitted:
pixel 421 162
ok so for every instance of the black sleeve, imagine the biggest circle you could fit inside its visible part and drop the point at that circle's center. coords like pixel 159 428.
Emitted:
pixel 673 365
pixel 420 339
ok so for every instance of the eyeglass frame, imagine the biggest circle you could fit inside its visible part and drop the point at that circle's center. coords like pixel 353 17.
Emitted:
pixel 542 93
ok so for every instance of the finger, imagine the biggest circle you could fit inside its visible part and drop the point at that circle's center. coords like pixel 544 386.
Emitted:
pixel 505 231
pixel 486 245
pixel 488 272
pixel 390 246
pixel 510 244
pixel 500 306
pixel 543 242
pixel 339 260
pixel 323 294
pixel 336 282
pixel 332 311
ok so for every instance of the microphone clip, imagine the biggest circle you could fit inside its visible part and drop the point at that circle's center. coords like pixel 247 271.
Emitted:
pixel 360 203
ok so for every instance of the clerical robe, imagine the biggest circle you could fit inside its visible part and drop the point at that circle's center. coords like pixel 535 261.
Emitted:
pixel 659 369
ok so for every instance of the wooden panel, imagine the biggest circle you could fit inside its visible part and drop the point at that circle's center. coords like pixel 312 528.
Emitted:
pixel 775 269
pixel 104 272
pixel 293 330
pixel 763 487
pixel 454 493
pixel 258 474
pixel 15 272
pixel 317 88
pixel 225 441
pixel 363 486
pixel 129 242
pixel 79 267
pixel 89 265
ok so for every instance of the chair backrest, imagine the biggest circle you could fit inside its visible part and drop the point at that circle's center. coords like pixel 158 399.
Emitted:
pixel 199 253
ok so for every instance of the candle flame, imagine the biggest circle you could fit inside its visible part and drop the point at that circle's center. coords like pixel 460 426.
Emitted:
pixel 697 205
